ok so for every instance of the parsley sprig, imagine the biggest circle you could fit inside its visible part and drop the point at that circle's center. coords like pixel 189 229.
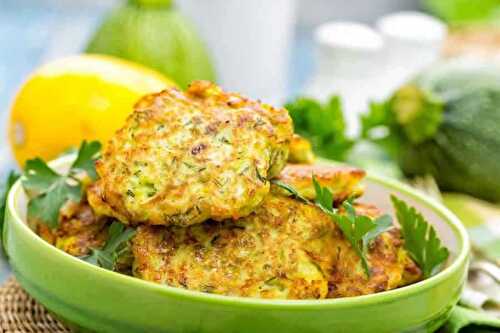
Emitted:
pixel 50 190
pixel 359 230
pixel 421 239
pixel 116 246
pixel 323 124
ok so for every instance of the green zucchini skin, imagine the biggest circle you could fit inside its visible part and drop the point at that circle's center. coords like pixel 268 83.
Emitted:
pixel 159 37
pixel 464 153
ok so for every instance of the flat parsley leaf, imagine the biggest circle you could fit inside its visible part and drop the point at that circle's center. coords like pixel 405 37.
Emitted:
pixel 420 237
pixel 49 190
pixel 46 205
pixel 354 228
pixel 324 197
pixel 383 224
pixel 87 154
pixel 116 245
pixel 323 124
pixel 38 176
pixel 359 230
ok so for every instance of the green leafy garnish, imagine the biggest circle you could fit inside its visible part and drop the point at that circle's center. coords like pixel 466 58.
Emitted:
pixel 45 207
pixel 324 197
pixel 382 224
pixel 116 246
pixel 290 190
pixel 49 190
pixel 421 240
pixel 323 125
pixel 11 179
pixel 38 176
pixel 355 228
pixel 379 115
pixel 359 230
pixel 86 158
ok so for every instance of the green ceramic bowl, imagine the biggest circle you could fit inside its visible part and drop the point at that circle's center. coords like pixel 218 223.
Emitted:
pixel 96 300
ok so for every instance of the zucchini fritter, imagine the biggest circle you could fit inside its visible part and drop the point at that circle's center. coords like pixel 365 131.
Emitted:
pixel 285 249
pixel 183 158
pixel 343 181
pixel 300 151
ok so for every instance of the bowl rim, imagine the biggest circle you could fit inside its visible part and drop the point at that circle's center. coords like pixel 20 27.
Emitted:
pixel 453 222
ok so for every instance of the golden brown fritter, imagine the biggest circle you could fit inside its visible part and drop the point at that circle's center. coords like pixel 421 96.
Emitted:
pixel 343 181
pixel 79 230
pixel 285 249
pixel 183 158
pixel 300 151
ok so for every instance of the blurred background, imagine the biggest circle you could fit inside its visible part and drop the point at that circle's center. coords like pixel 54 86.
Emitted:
pixel 341 68
pixel 269 50
pixel 35 31
pixel 272 50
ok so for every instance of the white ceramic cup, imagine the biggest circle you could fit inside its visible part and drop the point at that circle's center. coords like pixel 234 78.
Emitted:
pixel 414 41
pixel 250 41
pixel 348 65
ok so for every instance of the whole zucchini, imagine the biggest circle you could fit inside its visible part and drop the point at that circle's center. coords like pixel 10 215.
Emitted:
pixel 446 123
pixel 154 33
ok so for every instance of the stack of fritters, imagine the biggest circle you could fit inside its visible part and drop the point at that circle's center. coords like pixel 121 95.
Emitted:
pixel 284 249
pixel 192 171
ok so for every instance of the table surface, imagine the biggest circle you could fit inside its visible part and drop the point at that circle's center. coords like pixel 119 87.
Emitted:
pixel 32 32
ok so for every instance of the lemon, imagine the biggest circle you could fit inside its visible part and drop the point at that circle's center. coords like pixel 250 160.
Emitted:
pixel 84 97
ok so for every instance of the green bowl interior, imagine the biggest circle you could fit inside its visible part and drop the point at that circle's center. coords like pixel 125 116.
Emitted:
pixel 378 191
